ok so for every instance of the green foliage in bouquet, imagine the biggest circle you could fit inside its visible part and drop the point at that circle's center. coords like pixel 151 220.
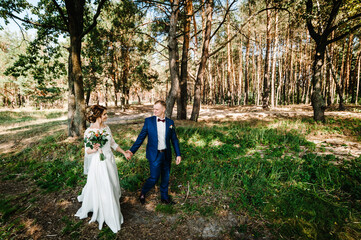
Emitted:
pixel 96 137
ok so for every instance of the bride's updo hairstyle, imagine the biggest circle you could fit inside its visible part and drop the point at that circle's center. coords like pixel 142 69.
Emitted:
pixel 93 112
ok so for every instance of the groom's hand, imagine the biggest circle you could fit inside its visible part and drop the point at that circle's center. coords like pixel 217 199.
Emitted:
pixel 178 160
pixel 129 154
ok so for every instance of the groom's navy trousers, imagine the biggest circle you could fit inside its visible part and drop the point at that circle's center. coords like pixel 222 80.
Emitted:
pixel 160 167
pixel 159 162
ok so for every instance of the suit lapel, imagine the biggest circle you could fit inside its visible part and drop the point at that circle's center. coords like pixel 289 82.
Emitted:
pixel 154 122
pixel 166 128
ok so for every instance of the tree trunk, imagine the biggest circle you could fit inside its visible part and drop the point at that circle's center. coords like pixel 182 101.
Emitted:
pixel 173 58
pixel 259 70
pixel 278 96
pixel 318 102
pixel 125 76
pixel 246 68
pixel 240 73
pixel 338 87
pixel 202 65
pixel 76 101
pixel 182 100
pixel 229 64
pixel 348 66
pixel 266 87
pixel 274 60
pixel 76 115
pixel 358 77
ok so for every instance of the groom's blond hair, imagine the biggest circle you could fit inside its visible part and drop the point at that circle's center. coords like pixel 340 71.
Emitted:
pixel 161 102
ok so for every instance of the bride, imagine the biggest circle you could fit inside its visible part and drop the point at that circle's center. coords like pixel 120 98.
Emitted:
pixel 101 193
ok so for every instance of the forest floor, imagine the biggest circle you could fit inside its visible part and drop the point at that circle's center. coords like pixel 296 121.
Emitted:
pixel 341 145
pixel 54 212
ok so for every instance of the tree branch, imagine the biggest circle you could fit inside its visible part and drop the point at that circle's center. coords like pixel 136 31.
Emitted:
pixel 333 15
pixel 224 19
pixel 61 14
pixel 344 22
pixel 311 28
pixel 223 45
pixel 36 23
pixel 151 1
pixel 150 36
pixel 240 29
pixel 100 6
pixel 345 34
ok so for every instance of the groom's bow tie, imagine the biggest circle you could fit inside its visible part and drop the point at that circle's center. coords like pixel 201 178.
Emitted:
pixel 161 120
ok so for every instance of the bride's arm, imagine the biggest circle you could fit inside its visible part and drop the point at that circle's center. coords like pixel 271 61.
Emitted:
pixel 119 149
pixel 115 146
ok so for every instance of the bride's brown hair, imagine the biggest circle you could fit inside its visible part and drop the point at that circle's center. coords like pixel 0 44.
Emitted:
pixel 94 111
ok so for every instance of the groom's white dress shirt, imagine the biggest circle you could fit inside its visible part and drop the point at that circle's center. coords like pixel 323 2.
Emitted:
pixel 161 134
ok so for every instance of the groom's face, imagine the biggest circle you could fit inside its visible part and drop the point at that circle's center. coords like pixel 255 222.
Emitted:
pixel 159 110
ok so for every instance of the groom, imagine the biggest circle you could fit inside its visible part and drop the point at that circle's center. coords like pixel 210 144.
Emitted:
pixel 160 131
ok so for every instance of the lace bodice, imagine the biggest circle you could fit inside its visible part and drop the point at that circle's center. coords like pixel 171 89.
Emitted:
pixel 110 144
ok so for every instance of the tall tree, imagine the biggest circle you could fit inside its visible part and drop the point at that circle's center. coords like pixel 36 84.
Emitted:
pixel 322 20
pixel 183 96
pixel 173 57
pixel 203 62
pixel 266 78
pixel 70 17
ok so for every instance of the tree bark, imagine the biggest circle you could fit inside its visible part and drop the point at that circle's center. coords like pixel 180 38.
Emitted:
pixel 246 68
pixel 240 73
pixel 341 107
pixel 358 77
pixel 348 65
pixel 71 99
pixel 229 64
pixel 266 87
pixel 173 58
pixel 274 60
pixel 182 100
pixel 202 65
pixel 75 11
pixel 318 102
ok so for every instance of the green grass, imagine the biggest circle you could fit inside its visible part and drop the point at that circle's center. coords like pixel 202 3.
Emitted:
pixel 11 117
pixel 267 170
pixel 168 209
pixel 71 229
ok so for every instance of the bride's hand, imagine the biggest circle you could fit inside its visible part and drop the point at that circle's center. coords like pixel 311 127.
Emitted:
pixel 96 146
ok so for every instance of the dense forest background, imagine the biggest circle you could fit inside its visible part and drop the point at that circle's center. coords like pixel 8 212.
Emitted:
pixel 268 53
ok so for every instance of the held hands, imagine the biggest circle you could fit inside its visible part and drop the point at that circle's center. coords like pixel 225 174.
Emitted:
pixel 128 154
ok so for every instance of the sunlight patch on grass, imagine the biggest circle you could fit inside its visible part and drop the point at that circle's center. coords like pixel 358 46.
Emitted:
pixel 216 142
pixel 197 141
pixel 31 227
pixel 22 117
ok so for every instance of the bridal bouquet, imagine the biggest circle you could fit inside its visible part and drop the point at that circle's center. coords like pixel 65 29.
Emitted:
pixel 97 137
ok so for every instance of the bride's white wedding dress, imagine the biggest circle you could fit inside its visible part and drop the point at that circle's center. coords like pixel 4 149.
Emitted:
pixel 101 193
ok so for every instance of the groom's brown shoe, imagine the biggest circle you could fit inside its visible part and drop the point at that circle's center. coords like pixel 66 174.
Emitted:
pixel 168 201
pixel 142 199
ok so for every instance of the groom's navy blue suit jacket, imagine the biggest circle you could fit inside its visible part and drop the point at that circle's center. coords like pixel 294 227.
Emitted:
pixel 150 129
